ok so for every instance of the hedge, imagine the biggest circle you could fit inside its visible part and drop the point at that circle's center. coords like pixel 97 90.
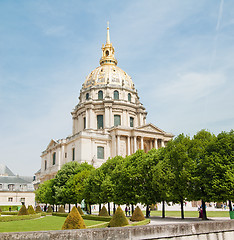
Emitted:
pixel 87 217
pixel 143 222
pixel 100 225
pixel 20 217
pixel 9 213
pixel 13 208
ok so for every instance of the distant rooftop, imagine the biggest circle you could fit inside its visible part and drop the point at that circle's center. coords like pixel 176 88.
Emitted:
pixel 5 171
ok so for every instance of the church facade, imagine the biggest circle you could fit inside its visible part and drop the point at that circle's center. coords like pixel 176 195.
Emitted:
pixel 109 120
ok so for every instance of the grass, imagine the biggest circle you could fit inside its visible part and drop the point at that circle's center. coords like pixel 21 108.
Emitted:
pixel 190 213
pixel 41 224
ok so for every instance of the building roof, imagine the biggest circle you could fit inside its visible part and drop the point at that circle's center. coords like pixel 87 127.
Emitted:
pixel 12 179
pixel 5 171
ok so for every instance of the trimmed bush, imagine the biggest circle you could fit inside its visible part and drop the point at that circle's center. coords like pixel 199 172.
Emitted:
pixel 118 219
pixel 61 209
pixel 74 220
pixel 38 209
pixel 13 208
pixel 137 215
pixel 9 213
pixel 103 212
pixel 23 210
pixel 49 209
pixel 80 210
pixel 31 210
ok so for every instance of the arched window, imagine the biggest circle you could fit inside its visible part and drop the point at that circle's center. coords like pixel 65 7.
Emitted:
pixel 87 96
pixel 45 164
pixel 100 95
pixel 107 53
pixel 129 97
pixel 116 95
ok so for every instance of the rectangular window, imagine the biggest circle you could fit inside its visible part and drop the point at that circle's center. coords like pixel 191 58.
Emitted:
pixel 131 122
pixel 45 164
pixel 65 155
pixel 0 186
pixel 54 158
pixel 99 121
pixel 73 154
pixel 100 152
pixel 117 120
pixel 11 187
pixel 84 122
pixel 10 199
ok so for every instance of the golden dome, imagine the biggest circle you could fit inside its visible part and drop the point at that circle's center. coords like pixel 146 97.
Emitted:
pixel 108 73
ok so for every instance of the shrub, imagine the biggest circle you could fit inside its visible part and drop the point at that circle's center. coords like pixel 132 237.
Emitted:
pixel 49 209
pixel 103 212
pixel 137 215
pixel 61 209
pixel 80 210
pixel 23 210
pixel 74 220
pixel 9 213
pixel 118 219
pixel 38 209
pixel 31 210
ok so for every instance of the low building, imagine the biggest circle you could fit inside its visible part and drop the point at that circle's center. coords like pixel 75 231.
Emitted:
pixel 15 190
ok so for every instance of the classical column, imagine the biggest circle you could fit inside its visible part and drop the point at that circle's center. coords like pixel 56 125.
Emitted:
pixel 111 118
pixel 142 143
pixel 151 144
pixel 135 144
pixel 156 143
pixel 118 145
pixel 129 149
pixel 163 143
pixel 107 115
pixel 87 118
pixel 113 146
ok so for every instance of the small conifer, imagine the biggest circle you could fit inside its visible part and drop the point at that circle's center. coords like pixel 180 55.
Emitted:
pixel 38 209
pixel 74 220
pixel 118 219
pixel 103 212
pixel 61 209
pixel 31 210
pixel 23 210
pixel 137 215
pixel 49 209
pixel 80 210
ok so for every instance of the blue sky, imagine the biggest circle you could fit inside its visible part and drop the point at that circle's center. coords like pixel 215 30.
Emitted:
pixel 179 54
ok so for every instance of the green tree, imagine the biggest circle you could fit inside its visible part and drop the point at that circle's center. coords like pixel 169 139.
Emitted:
pixel 46 192
pixel 181 169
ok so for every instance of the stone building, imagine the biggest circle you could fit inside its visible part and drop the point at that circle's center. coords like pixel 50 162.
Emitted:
pixel 14 189
pixel 109 120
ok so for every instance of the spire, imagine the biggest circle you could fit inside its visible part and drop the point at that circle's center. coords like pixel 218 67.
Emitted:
pixel 108 51
pixel 108 34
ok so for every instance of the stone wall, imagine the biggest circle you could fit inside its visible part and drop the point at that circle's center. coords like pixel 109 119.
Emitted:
pixel 209 230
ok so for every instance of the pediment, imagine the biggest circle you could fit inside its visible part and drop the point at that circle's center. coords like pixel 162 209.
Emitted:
pixel 151 128
pixel 51 144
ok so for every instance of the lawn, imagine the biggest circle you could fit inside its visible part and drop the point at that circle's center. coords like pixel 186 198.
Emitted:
pixel 190 213
pixel 41 224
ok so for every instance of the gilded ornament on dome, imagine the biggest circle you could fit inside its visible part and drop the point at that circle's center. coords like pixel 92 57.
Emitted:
pixel 101 79
pixel 115 79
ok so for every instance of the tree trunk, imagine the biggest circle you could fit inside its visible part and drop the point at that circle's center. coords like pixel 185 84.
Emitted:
pixel 56 207
pixel 230 205
pixel 69 207
pixel 132 208
pixel 109 208
pixel 182 208
pixel 204 217
pixel 100 207
pixel 163 209
pixel 114 209
pixel 90 208
pixel 76 205
pixel 147 211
